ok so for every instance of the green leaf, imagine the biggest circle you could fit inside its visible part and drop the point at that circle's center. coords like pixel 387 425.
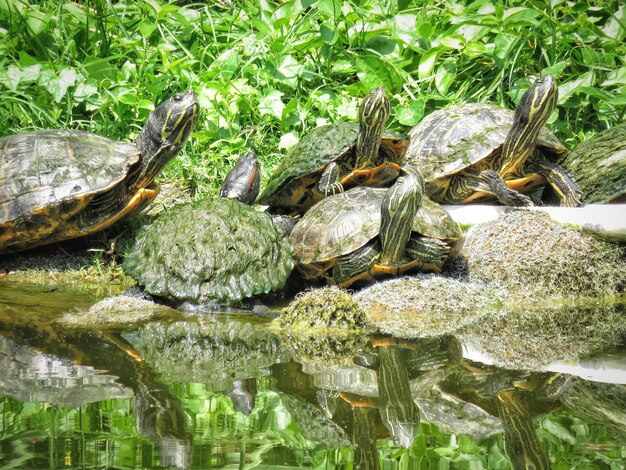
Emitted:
pixel 37 22
pixel 332 8
pixel 453 42
pixel 329 34
pixel 410 114
pixel 12 77
pixel 503 44
pixel 76 11
pixel 382 45
pixel 568 89
pixel 520 16
pixel 427 63
pixel 147 27
pixel 475 49
pixel 619 100
pixel 271 104
pixel 374 71
pixel 445 76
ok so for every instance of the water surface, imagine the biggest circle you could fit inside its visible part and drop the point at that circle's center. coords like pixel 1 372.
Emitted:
pixel 224 391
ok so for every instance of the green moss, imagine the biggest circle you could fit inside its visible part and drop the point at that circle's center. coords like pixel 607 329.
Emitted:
pixel 536 258
pixel 321 309
pixel 116 312
pixel 217 250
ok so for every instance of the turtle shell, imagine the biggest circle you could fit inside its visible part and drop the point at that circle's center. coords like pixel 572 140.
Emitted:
pixel 343 223
pixel 218 250
pixel 47 177
pixel 449 140
pixel 297 174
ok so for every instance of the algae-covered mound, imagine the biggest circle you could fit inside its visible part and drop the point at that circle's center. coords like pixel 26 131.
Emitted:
pixel 533 256
pixel 116 312
pixel 320 309
pixel 426 305
pixel 216 250
pixel 534 337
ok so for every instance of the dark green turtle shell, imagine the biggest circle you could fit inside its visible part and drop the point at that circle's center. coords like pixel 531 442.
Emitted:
pixel 343 223
pixel 217 250
pixel 451 139
pixel 299 170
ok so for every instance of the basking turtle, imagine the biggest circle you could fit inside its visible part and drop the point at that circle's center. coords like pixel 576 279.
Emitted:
pixel 215 250
pixel 599 166
pixel 477 152
pixel 365 232
pixel 336 157
pixel 60 184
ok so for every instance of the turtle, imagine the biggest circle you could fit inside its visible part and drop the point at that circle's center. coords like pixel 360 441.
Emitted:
pixel 215 250
pixel 599 166
pixel 365 233
pixel 478 152
pixel 335 157
pixel 61 184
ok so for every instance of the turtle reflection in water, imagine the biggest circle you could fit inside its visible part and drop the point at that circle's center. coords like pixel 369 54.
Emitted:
pixel 336 157
pixel 507 395
pixel 365 233
pixel 90 367
pixel 57 184
pixel 218 250
pixel 476 152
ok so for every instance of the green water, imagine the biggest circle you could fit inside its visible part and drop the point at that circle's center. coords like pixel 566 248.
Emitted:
pixel 223 391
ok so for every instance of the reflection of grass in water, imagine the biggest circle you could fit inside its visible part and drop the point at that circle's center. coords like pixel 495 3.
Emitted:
pixel 531 337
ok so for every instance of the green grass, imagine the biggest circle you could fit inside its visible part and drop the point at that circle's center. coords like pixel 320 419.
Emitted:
pixel 267 75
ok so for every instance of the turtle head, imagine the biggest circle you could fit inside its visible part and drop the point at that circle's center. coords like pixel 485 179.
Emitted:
pixel 531 113
pixel 243 181
pixel 165 133
pixel 537 103
pixel 373 115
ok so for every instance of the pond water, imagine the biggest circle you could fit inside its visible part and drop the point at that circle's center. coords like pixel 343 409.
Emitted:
pixel 223 390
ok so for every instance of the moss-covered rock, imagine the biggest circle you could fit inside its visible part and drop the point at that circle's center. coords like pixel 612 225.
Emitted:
pixel 328 308
pixel 427 305
pixel 116 312
pixel 217 250
pixel 535 258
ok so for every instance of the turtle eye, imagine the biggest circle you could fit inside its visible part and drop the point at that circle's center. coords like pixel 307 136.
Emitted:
pixel 177 97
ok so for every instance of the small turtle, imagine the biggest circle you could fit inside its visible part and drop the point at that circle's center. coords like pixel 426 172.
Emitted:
pixel 365 232
pixel 60 184
pixel 336 157
pixel 599 166
pixel 215 250
pixel 477 152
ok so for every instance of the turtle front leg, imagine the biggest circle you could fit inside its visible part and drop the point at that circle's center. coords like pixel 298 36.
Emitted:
pixel 356 265
pixel 491 182
pixel 329 182
pixel 564 185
